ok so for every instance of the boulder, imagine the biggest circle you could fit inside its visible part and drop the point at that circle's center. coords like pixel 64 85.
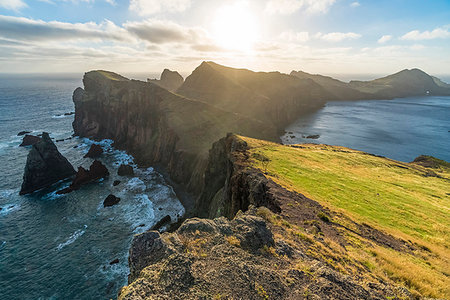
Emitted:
pixel 111 200
pixel 45 166
pixel 96 171
pixel 23 132
pixel 29 140
pixel 125 170
pixel 166 220
pixel 94 151
pixel 116 182
pixel 115 261
pixel 313 136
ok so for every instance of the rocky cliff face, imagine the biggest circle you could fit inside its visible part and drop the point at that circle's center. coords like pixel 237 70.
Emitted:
pixel 170 80
pixel 45 166
pixel 155 125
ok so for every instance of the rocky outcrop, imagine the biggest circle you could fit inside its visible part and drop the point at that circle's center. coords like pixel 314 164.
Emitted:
pixel 156 126
pixel 45 166
pixel 170 80
pixel 125 170
pixel 94 151
pixel 29 140
pixel 96 171
pixel 236 259
pixel 110 200
pixel 23 132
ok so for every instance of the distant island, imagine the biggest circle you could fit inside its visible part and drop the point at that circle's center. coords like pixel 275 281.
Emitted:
pixel 266 220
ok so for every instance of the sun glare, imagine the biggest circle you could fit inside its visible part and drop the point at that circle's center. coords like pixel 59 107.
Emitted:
pixel 235 27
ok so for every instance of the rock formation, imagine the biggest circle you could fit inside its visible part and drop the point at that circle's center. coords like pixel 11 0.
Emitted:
pixel 45 166
pixel 110 200
pixel 125 170
pixel 96 171
pixel 94 151
pixel 29 140
pixel 170 80
pixel 23 132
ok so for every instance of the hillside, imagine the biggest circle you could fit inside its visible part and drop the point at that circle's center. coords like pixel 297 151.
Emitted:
pixel 269 97
pixel 405 83
pixel 341 90
pixel 332 223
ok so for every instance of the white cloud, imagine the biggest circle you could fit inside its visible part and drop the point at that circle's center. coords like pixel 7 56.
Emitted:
pixel 290 6
pixel 355 4
pixel 337 36
pixel 12 4
pixel 292 36
pixel 150 7
pixel 161 32
pixel 384 39
pixel 23 29
pixel 416 35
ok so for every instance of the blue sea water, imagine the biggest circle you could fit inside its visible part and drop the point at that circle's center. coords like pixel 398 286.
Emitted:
pixel 400 129
pixel 60 247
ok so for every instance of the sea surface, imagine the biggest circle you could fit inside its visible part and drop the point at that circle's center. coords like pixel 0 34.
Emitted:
pixel 400 129
pixel 60 247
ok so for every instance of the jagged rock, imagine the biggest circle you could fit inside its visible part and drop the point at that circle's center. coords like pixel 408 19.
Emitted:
pixel 313 136
pixel 23 132
pixel 125 170
pixel 170 80
pixel 113 262
pixel 110 200
pixel 116 182
pixel 45 166
pixel 69 113
pixel 29 140
pixel 94 151
pixel 60 140
pixel 96 171
pixel 166 220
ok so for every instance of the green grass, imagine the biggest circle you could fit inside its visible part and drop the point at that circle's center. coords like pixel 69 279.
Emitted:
pixel 396 197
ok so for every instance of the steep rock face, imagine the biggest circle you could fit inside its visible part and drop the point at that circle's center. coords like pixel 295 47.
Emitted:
pixel 45 166
pixel 270 97
pixel 155 125
pixel 170 80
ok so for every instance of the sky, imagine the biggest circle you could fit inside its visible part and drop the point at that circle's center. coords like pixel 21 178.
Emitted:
pixel 316 36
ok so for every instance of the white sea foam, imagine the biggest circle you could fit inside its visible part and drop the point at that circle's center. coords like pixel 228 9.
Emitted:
pixel 2 245
pixel 60 116
pixel 9 208
pixel 72 238
pixel 136 185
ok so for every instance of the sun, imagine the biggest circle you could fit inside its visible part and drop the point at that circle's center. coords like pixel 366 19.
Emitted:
pixel 235 27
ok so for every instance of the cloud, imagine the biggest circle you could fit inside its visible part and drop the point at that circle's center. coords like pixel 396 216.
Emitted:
pixel 18 28
pixel 286 7
pixel 337 36
pixel 416 35
pixel 292 36
pixel 150 7
pixel 12 4
pixel 384 39
pixel 160 32
pixel 355 4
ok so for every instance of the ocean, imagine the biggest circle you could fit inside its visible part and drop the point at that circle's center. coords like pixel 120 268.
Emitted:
pixel 401 129
pixel 60 246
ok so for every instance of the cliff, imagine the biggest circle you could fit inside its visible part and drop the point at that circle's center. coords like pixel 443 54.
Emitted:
pixel 291 246
pixel 271 97
pixel 155 125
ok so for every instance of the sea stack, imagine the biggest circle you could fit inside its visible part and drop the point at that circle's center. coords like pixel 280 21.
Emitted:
pixel 45 166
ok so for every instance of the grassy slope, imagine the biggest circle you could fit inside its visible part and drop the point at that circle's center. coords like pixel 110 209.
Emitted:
pixel 392 196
